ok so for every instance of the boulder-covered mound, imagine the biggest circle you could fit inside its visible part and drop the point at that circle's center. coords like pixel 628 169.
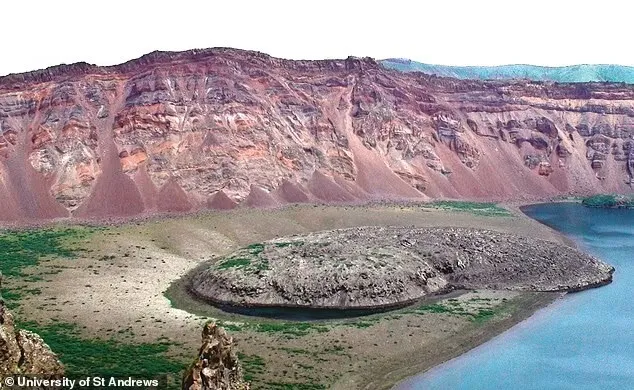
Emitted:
pixel 373 267
pixel 216 367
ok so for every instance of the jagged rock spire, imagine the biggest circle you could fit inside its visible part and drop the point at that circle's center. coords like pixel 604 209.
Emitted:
pixel 217 366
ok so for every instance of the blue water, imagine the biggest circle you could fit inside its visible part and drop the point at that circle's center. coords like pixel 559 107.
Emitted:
pixel 583 341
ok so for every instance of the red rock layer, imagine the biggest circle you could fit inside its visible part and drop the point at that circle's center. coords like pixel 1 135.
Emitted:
pixel 259 197
pixel 172 198
pixel 99 141
pixel 147 188
pixel 220 201
pixel 291 193
pixel 325 189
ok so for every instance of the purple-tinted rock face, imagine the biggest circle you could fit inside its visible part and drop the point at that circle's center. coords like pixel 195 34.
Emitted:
pixel 94 141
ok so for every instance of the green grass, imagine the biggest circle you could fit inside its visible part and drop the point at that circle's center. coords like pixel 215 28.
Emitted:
pixel 609 201
pixel 285 244
pixel 365 322
pixel 21 249
pixel 294 386
pixel 253 365
pixel 247 259
pixel 293 329
pixel 483 315
pixel 362 324
pixel 434 308
pixel 234 262
pixel 11 298
pixel 106 357
pixel 255 249
pixel 455 308
pixel 479 208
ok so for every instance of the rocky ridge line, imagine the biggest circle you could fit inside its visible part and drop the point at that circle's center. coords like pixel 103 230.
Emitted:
pixel 215 128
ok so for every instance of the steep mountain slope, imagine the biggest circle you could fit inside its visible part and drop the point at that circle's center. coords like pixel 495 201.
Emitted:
pixel 563 74
pixel 175 132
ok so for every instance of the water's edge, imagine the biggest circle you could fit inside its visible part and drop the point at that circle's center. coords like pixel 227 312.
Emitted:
pixel 401 378
pixel 581 341
pixel 532 314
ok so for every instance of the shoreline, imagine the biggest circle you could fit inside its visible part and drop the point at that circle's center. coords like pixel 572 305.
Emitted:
pixel 445 368
pixel 395 379
pixel 137 263
pixel 422 361
pixel 524 314
pixel 149 217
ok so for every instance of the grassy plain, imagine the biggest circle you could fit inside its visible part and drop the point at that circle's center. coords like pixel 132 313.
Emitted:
pixel 97 295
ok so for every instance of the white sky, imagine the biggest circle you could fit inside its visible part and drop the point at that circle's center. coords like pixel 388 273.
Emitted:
pixel 36 34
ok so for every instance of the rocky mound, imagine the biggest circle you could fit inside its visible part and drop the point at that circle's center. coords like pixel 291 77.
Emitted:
pixel 23 352
pixel 372 267
pixel 217 366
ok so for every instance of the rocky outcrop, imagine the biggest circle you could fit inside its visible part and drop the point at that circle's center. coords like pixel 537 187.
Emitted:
pixel 378 267
pixel 167 131
pixel 217 366
pixel 23 352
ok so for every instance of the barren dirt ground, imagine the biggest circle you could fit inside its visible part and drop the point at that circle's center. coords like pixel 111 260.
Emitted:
pixel 115 289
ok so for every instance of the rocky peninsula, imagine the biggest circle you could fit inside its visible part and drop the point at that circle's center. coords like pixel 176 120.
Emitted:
pixel 379 267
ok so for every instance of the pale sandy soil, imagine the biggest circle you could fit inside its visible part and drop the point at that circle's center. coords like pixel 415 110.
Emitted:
pixel 118 290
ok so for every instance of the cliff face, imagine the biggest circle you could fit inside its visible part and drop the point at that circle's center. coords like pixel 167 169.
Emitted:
pixel 207 128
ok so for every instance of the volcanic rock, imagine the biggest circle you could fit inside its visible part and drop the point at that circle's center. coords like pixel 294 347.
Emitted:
pixel 97 142
pixel 217 366
pixel 375 267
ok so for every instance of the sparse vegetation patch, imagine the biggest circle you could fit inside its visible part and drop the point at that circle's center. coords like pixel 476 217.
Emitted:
pixel 609 201
pixel 478 208
pixel 106 357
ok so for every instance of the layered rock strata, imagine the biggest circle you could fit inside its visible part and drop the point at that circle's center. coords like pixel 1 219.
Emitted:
pixel 179 132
